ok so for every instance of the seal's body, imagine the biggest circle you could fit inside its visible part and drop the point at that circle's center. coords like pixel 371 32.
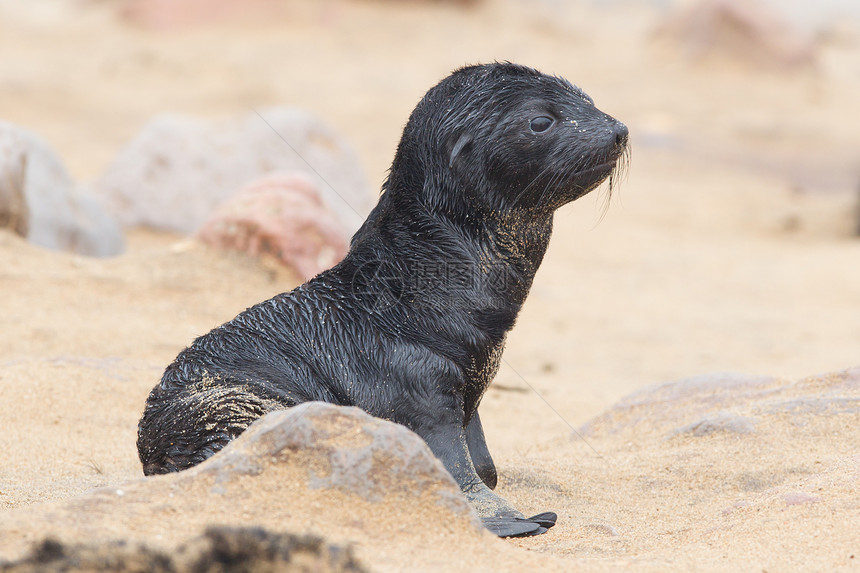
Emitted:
pixel 410 325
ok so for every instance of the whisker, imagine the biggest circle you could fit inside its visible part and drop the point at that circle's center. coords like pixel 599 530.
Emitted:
pixel 529 186
pixel 551 185
pixel 618 173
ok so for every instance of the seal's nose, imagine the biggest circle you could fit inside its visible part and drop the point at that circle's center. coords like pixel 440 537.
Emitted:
pixel 621 133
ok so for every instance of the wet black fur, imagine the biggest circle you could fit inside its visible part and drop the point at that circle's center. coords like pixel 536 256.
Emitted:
pixel 409 326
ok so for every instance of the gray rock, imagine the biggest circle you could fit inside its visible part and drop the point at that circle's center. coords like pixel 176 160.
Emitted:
pixel 39 200
pixel 816 405
pixel 728 422
pixel 178 169
pixel 731 403
pixel 315 468
pixel 352 451
pixel 667 407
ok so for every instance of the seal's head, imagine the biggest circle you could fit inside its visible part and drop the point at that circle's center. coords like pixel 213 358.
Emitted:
pixel 502 137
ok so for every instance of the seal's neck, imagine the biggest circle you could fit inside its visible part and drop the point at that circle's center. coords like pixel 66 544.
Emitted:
pixel 472 258
pixel 456 279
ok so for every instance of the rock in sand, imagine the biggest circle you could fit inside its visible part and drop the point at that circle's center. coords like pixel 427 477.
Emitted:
pixel 39 200
pixel 281 215
pixel 745 32
pixel 316 468
pixel 178 169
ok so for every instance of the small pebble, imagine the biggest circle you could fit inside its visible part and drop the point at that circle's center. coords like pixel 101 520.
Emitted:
pixel 603 528
pixel 799 498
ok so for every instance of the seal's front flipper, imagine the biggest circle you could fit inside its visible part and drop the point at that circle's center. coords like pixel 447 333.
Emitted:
pixel 479 453
pixel 450 443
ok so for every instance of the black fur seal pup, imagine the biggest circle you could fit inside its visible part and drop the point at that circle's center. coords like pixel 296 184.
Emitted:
pixel 409 326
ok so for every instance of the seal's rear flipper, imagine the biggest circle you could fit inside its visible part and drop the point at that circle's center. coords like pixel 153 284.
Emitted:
pixel 520 527
pixel 512 526
pixel 546 519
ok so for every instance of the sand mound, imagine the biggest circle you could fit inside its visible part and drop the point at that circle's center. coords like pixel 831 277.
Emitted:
pixel 315 468
pixel 706 472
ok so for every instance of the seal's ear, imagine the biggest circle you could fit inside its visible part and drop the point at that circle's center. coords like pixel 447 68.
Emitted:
pixel 462 145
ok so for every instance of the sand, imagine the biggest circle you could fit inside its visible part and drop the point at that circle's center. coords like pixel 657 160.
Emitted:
pixel 730 247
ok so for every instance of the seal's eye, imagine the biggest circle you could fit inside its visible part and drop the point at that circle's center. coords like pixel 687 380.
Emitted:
pixel 541 123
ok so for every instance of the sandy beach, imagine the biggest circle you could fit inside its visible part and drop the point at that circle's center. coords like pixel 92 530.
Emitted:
pixel 729 255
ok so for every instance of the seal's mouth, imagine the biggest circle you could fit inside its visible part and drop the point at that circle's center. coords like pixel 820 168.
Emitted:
pixel 600 171
pixel 593 175
pixel 612 168
pixel 570 177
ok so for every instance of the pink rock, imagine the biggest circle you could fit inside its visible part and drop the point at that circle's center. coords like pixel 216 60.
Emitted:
pixel 746 31
pixel 173 14
pixel 281 215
